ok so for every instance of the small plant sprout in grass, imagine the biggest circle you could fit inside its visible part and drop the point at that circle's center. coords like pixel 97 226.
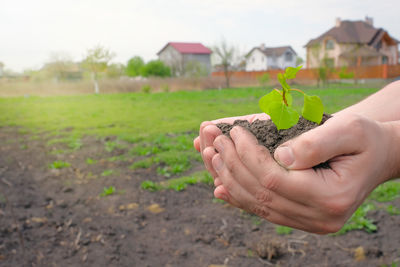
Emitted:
pixel 278 103
pixel 107 191
pixel 178 184
pixel 107 173
pixel 359 221
pixel 58 164
pixel 283 230
pixel 90 161
pixel 393 210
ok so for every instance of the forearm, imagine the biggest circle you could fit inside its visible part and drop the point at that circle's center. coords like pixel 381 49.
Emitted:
pixel 381 106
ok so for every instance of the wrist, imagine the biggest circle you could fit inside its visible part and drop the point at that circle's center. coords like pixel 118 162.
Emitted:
pixel 393 166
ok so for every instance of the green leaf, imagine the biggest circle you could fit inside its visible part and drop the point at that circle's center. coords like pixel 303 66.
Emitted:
pixel 282 81
pixel 290 72
pixel 283 116
pixel 313 109
pixel 266 101
pixel 289 98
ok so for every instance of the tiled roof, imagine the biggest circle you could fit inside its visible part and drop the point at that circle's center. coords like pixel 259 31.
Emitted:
pixel 188 48
pixel 359 32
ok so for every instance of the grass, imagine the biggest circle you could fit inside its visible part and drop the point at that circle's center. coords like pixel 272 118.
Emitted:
pixel 137 115
pixel 178 184
pixel 58 164
pixel 283 230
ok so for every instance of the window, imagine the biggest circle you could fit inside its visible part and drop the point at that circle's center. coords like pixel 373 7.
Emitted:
pixel 288 56
pixel 384 60
pixel 329 62
pixel 330 44
pixel 253 59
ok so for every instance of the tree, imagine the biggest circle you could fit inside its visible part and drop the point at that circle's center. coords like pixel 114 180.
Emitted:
pixel 96 61
pixel 115 70
pixel 58 65
pixel 1 69
pixel 134 66
pixel 226 56
pixel 156 68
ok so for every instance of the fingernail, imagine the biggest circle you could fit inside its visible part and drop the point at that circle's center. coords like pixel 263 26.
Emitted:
pixel 284 156
pixel 218 144
pixel 217 163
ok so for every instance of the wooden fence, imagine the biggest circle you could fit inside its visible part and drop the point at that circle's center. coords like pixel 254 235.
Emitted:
pixel 362 72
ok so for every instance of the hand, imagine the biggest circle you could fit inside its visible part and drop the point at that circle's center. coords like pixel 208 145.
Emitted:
pixel 208 132
pixel 361 155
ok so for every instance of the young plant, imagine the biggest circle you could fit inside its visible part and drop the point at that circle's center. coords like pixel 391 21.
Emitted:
pixel 107 191
pixel 278 103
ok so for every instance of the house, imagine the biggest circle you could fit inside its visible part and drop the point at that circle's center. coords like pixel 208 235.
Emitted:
pixel 186 58
pixel 352 43
pixel 265 58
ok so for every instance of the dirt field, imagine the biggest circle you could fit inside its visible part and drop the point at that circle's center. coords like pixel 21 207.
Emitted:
pixel 57 218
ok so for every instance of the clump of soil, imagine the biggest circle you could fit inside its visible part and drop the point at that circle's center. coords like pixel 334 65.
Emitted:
pixel 268 135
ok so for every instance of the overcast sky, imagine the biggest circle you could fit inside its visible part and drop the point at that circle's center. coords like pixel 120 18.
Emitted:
pixel 32 30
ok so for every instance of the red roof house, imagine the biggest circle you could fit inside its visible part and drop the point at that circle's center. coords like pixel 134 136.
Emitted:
pixel 184 58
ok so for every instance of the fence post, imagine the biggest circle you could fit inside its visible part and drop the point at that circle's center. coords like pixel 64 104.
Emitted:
pixel 385 71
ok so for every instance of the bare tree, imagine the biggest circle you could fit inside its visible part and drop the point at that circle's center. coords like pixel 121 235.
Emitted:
pixel 96 61
pixel 227 57
pixel 1 69
pixel 58 65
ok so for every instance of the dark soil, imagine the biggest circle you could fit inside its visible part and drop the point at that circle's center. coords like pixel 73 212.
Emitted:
pixel 56 218
pixel 268 135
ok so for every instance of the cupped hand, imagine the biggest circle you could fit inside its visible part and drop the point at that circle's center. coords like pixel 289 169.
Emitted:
pixel 359 151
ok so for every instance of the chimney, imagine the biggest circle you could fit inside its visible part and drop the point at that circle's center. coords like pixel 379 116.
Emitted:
pixel 262 46
pixel 337 22
pixel 369 20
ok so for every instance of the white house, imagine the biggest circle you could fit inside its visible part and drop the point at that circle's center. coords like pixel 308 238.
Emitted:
pixel 185 58
pixel 265 58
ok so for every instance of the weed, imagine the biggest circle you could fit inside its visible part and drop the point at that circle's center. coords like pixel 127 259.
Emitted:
pixel 107 191
pixel 58 164
pixel 151 186
pixel 178 184
pixel 283 230
pixel 393 210
pixel 219 201
pixel 90 161
pixel 23 146
pixel 386 192
pixel 57 152
pixel 75 144
pixel 107 173
pixel 359 221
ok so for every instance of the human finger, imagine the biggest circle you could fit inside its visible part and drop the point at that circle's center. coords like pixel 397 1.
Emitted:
pixel 337 136
pixel 196 143
pixel 207 155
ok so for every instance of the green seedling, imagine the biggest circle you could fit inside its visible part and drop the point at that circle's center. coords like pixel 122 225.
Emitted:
pixel 278 103
pixel 392 210
pixel 107 173
pixel 90 161
pixel 58 164
pixel 107 191
pixel 283 230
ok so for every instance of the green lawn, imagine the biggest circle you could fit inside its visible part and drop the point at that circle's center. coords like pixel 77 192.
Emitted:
pixel 137 115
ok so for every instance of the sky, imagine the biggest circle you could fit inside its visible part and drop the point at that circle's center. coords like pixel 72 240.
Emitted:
pixel 32 32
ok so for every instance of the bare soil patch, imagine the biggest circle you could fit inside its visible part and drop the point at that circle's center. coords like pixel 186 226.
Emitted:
pixel 56 218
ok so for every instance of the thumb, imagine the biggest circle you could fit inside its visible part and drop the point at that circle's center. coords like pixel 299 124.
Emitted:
pixel 334 138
